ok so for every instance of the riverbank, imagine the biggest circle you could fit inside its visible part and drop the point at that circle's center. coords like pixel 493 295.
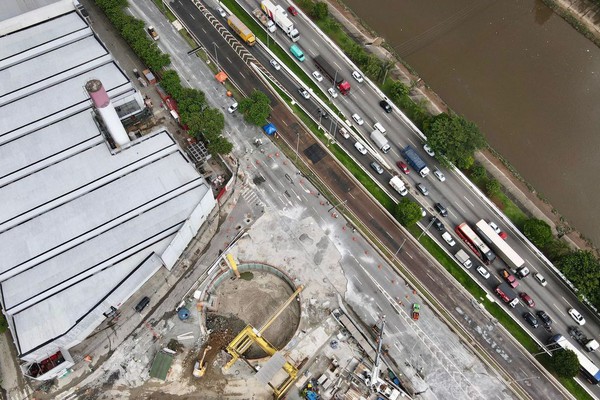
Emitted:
pixel 523 194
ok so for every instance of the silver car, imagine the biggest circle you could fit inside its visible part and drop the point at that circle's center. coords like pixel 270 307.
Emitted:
pixel 377 167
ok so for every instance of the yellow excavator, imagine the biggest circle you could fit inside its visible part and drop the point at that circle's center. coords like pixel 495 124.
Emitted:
pixel 200 366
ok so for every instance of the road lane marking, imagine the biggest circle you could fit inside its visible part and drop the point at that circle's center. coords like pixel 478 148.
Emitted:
pixel 388 118
pixel 559 309
pixel 358 280
pixel 468 201
pixel 462 209
pixel 408 254
pixel 272 188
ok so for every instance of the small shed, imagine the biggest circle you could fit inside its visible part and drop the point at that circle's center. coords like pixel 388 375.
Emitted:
pixel 270 129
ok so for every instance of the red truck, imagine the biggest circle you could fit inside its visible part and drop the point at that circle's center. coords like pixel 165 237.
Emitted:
pixel 507 295
pixel 333 74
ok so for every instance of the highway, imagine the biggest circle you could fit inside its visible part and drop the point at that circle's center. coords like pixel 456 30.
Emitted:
pixel 453 189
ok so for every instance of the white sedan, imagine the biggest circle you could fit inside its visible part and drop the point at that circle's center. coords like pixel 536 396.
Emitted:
pixel 428 150
pixel 577 316
pixel 332 93
pixel 356 75
pixel 275 64
pixel 483 272
pixel 317 75
pixel 357 119
pixel 448 238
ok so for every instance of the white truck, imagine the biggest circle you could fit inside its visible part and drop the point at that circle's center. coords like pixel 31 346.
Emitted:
pixel 398 185
pixel 278 15
pixel 270 25
pixel 380 140
pixel 463 258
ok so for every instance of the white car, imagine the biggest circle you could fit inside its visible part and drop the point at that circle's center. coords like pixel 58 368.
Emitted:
pixel 232 108
pixel 423 212
pixel 344 133
pixel 438 174
pixel 332 93
pixel 448 238
pixel 222 12
pixel 483 272
pixel 361 149
pixel 304 93
pixel 538 277
pixel 379 127
pixel 356 75
pixel 494 227
pixel 577 316
pixel 317 75
pixel 275 64
pixel 357 119
pixel 428 150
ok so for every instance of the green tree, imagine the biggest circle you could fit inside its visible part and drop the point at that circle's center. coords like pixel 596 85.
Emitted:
pixel 565 363
pixel 556 249
pixel 492 187
pixel 455 138
pixel 407 212
pixel 397 91
pixel 478 172
pixel 220 146
pixel 583 269
pixel 538 231
pixel 255 108
pixel 319 11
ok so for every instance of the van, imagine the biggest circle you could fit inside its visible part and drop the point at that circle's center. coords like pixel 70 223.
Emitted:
pixel 361 149
pixel 295 50
pixel 142 304
pixel 232 108
pixel 379 127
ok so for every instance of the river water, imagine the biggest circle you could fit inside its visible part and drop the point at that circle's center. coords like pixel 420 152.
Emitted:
pixel 523 75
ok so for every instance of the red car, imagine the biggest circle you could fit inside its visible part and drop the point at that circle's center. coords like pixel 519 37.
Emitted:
pixel 527 299
pixel 292 10
pixel 511 280
pixel 403 167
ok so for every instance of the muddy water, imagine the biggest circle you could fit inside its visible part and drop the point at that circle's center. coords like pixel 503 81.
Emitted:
pixel 529 80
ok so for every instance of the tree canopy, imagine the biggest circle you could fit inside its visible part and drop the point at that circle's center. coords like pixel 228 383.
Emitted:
pixel 256 108
pixel 565 363
pixel 538 231
pixel 407 212
pixel 583 269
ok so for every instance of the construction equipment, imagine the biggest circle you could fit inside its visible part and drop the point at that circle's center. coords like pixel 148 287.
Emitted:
pixel 200 366
pixel 250 335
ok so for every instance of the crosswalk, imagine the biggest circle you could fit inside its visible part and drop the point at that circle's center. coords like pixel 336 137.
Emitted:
pixel 252 198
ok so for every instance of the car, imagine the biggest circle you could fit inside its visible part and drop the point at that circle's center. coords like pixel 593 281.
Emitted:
pixel 332 93
pixel 527 299
pixel 497 230
pixel 576 315
pixel 422 189
pixel 358 76
pixel 222 12
pixel 437 223
pixel 153 33
pixel 361 149
pixel 483 272
pixel 538 277
pixel 510 279
pixel 322 113
pixel 438 174
pixel 545 318
pixel 386 106
pixel 403 167
pixel 317 75
pixel 448 239
pixel 142 304
pixel 531 320
pixel 441 209
pixel 275 64
pixel 344 133
pixel 377 167
pixel 292 10
pixel 428 150
pixel 232 108
pixel 357 119
pixel 423 212
pixel 379 127
pixel 304 93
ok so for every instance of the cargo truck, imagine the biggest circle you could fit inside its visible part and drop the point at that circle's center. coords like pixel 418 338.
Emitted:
pixel 415 161
pixel 507 294
pixel 242 30
pixel 333 74
pixel 398 186
pixel 380 140
pixel 270 25
pixel 463 258
pixel 587 343
pixel 279 16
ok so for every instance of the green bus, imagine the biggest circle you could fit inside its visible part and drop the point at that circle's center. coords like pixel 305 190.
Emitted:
pixel 295 49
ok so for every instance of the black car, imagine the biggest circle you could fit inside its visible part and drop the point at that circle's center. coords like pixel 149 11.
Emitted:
pixel 422 189
pixel 545 318
pixel 441 209
pixel 142 304
pixel 438 224
pixel 386 106
pixel 531 320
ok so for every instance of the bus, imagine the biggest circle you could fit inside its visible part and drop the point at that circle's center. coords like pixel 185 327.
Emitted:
pixel 295 50
pixel 588 368
pixel 510 257
pixel 465 232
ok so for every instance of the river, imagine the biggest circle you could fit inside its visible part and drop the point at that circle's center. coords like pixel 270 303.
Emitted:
pixel 523 75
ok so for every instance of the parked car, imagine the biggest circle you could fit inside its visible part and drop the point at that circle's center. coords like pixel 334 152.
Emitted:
pixel 357 119
pixel 448 239
pixel 496 229
pixel 332 93
pixel 344 133
pixel 437 223
pixel 356 75
pixel 428 150
pixel 361 149
pixel 317 75
pixel 530 318
pixel 545 318
pixel 538 277
pixel 422 189
pixel 304 93
pixel 438 174
pixel 142 304
pixel 222 12
pixel 483 272
pixel 386 106
pixel 403 167
pixel 232 108
pixel 292 10
pixel 441 209
pixel 377 167
pixel 527 299
pixel 275 64
pixel 576 315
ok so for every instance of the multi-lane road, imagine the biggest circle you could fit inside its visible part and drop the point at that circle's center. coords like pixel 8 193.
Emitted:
pixel 463 203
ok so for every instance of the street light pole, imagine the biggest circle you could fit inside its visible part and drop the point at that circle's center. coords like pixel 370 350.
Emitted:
pixel 428 226
pixel 400 248
pixel 297 145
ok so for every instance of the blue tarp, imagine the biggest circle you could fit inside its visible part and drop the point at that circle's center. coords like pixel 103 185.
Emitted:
pixel 270 129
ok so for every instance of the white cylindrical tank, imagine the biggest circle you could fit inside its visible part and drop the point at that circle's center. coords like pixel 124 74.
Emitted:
pixel 107 112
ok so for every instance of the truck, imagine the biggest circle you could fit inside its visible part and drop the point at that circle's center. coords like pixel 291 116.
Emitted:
pixel 398 185
pixel 416 310
pixel 507 294
pixel 279 16
pixel 415 161
pixel 270 25
pixel 332 74
pixel 463 258
pixel 242 30
pixel 380 140
pixel 587 343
